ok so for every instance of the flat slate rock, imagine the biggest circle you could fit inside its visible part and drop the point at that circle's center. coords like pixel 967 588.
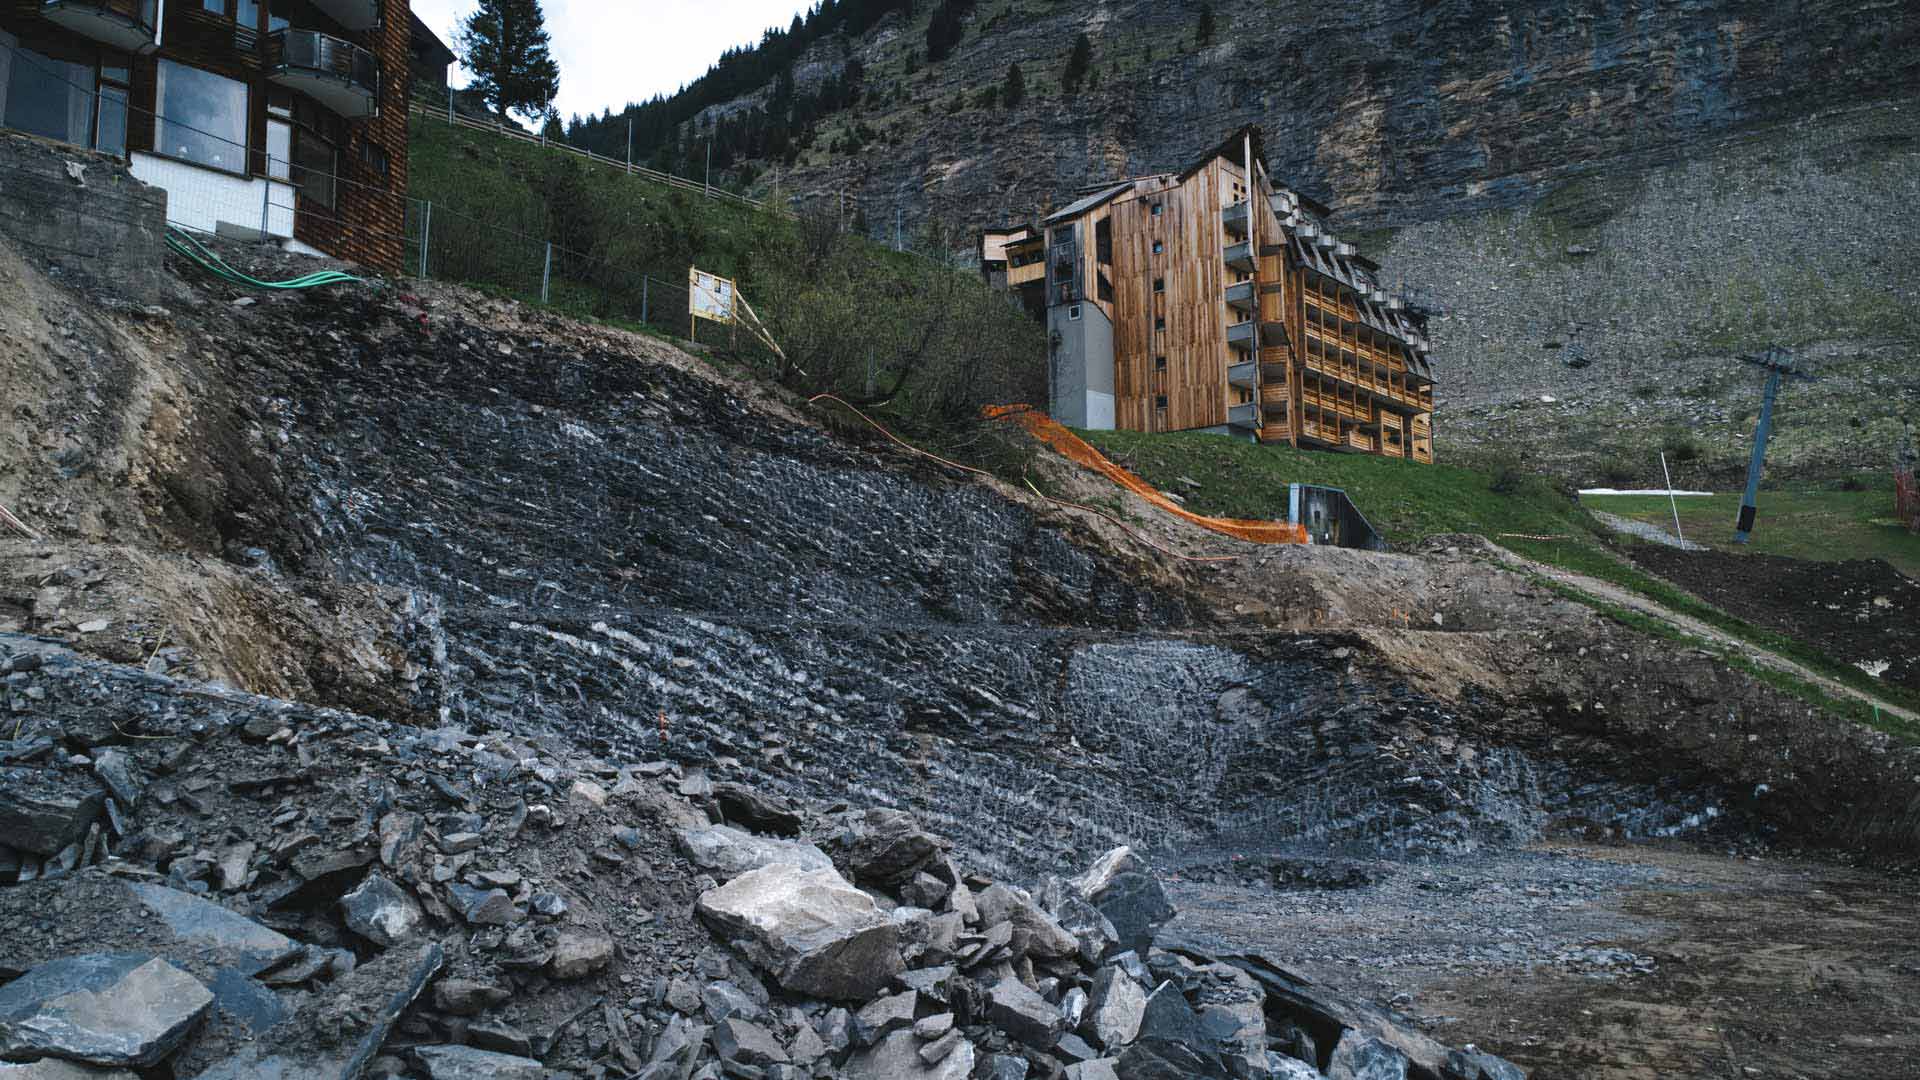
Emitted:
pixel 338 1032
pixel 56 1069
pixel 128 1009
pixel 467 1063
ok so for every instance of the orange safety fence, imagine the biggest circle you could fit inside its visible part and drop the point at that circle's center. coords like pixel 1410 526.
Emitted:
pixel 1074 448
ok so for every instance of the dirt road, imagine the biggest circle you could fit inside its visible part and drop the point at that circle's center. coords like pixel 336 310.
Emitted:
pixel 1626 963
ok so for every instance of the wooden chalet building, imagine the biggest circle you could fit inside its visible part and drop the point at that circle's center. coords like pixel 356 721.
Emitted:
pixel 276 119
pixel 1216 300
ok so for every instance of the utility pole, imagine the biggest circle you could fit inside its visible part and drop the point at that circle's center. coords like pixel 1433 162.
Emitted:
pixel 1778 364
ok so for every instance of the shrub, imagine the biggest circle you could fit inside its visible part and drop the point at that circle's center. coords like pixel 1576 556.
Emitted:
pixel 1680 445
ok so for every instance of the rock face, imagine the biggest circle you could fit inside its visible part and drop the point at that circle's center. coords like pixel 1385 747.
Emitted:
pixel 811 930
pixel 104 1009
pixel 44 811
pixel 1475 115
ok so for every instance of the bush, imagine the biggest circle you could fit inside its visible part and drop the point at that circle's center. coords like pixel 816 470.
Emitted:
pixel 1508 474
pixel 1680 445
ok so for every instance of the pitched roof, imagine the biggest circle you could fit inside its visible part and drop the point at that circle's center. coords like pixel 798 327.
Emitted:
pixel 1081 206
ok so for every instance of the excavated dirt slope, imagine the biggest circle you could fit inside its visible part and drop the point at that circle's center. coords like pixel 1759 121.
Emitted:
pixel 462 514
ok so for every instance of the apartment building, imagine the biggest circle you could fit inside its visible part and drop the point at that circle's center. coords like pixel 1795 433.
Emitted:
pixel 283 119
pixel 1216 299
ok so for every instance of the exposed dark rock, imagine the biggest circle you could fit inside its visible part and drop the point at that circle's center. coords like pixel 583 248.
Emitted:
pixel 1002 1067
pixel 746 1043
pixel 883 1015
pixel 381 911
pixel 897 1057
pixel 1358 1056
pixel 1035 933
pixel 484 907
pixel 1025 1015
pixel 757 810
pixel 1114 1008
pixel 469 1063
pixel 46 810
pixel 1125 890
pixel 888 847
pixel 579 953
pixel 466 997
pixel 104 1009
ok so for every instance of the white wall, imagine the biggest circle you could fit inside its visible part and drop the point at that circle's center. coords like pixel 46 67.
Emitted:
pixel 200 198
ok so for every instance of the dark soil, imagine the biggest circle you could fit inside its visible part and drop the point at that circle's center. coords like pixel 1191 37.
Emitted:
pixel 1861 611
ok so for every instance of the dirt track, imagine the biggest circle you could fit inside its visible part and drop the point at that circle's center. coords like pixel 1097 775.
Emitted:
pixel 1617 963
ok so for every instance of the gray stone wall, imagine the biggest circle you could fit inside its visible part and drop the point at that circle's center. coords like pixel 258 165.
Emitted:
pixel 82 217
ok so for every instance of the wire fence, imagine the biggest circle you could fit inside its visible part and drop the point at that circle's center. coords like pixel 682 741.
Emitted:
pixel 293 188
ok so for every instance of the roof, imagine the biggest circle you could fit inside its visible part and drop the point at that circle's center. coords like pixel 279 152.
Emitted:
pixel 1081 206
pixel 1231 148
pixel 426 43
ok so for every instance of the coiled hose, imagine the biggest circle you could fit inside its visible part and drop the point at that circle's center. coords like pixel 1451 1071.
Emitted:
pixel 184 244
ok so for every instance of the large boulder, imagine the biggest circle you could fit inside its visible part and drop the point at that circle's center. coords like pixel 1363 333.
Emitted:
pixel 128 1009
pixel 1359 1056
pixel 1172 1044
pixel 381 911
pixel 726 852
pixel 468 1063
pixel 898 1057
pixel 812 931
pixel 56 1069
pixel 1125 890
pixel 758 810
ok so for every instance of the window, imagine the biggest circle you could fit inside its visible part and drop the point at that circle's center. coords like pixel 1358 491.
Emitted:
pixel 53 97
pixel 374 157
pixel 202 117
pixel 315 162
pixel 1158 247
pixel 1157 208
pixel 1160 401
pixel 1073 312
pixel 279 148
pixel 1159 363
pixel 1159 284
pixel 1160 323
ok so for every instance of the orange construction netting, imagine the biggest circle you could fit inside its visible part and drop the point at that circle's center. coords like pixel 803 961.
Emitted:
pixel 1074 448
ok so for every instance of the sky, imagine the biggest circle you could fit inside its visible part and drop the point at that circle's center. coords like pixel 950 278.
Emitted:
pixel 615 51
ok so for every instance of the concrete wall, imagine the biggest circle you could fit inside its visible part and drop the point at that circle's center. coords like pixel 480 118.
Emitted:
pixel 1082 366
pixel 201 199
pixel 83 216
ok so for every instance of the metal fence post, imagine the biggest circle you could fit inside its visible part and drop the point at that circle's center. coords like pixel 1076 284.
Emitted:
pixel 546 273
pixel 426 231
pixel 645 281
pixel 266 192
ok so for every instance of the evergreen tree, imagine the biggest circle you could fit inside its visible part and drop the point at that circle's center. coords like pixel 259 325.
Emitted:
pixel 1204 32
pixel 504 44
pixel 1015 90
pixel 1078 61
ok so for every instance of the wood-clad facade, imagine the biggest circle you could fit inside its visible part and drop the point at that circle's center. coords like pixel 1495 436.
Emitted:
pixel 1215 299
pixel 285 119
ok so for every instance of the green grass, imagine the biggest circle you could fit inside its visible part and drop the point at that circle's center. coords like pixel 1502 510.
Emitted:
pixel 1824 526
pixel 1409 502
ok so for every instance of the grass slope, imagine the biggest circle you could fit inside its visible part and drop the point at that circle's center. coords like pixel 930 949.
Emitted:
pixel 1824 526
pixel 1408 502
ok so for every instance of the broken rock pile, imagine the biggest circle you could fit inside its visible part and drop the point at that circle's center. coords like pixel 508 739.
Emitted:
pixel 200 883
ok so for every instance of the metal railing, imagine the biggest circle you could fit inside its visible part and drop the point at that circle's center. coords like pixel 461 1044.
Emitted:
pixel 313 51
pixel 139 15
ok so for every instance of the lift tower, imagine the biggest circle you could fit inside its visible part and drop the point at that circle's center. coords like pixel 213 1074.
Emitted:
pixel 1778 364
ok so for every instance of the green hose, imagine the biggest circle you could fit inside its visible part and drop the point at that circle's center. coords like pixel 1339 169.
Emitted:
pixel 184 244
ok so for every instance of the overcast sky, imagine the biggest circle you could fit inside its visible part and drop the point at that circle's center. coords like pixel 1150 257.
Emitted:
pixel 615 51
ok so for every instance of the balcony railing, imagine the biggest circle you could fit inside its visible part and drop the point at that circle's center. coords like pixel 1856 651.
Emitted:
pixel 123 24
pixel 338 74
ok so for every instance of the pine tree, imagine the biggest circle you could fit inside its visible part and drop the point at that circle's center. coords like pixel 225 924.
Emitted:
pixel 504 44
pixel 1204 32
pixel 1078 61
pixel 1015 90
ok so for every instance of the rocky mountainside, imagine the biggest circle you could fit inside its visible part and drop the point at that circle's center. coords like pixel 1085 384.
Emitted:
pixel 1390 112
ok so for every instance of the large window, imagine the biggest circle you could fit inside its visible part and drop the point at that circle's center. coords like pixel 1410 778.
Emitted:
pixel 314 159
pixel 55 97
pixel 203 118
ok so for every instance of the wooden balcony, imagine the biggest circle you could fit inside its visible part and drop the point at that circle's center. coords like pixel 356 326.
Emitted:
pixel 1026 275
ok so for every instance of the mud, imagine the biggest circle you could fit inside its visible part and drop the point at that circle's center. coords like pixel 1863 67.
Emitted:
pixel 1860 611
